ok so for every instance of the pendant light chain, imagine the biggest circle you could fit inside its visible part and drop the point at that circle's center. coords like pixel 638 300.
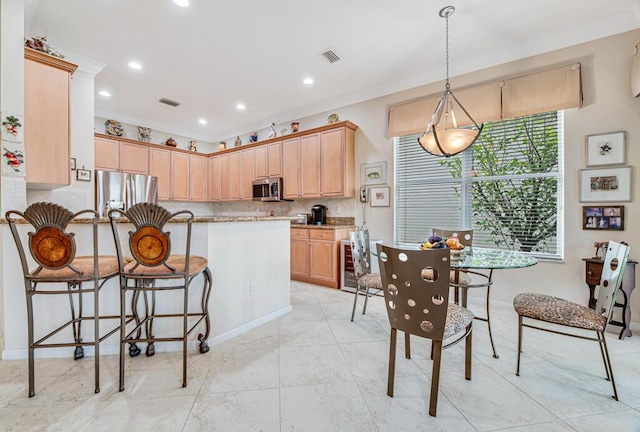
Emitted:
pixel 447 46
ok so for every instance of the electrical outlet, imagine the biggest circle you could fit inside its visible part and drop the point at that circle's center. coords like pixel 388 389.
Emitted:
pixel 252 288
pixel 364 194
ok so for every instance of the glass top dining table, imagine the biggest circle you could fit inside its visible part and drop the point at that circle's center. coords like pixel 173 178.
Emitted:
pixel 483 258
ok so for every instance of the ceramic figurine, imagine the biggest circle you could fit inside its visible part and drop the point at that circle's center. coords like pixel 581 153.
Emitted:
pixel 222 145
pixel 237 142
pixel 192 146
pixel 272 131
pixel 144 134
pixel 171 142
pixel 253 137
pixel 294 127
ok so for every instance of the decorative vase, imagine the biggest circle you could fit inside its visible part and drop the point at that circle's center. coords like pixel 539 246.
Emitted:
pixel 272 131
pixel 222 145
pixel 237 142
pixel 294 127
pixel 171 142
pixel 192 146
pixel 253 137
pixel 144 134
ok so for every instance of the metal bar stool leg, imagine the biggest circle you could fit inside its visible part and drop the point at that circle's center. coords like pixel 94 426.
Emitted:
pixel 203 338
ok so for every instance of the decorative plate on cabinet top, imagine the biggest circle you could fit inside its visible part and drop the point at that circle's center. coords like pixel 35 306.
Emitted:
pixel 333 118
pixel 113 127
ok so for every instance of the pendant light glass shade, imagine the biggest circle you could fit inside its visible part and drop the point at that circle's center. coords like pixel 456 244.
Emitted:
pixel 442 136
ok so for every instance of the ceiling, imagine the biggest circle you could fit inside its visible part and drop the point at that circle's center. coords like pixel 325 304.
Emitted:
pixel 212 55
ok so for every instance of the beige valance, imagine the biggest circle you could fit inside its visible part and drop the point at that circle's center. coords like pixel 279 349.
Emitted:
pixel 550 90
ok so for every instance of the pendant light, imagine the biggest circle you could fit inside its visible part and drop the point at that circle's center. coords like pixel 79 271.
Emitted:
pixel 442 136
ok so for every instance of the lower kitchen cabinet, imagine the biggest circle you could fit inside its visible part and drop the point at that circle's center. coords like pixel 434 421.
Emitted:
pixel 315 255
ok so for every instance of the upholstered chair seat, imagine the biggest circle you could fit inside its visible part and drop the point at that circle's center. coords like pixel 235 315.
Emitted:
pixel 558 311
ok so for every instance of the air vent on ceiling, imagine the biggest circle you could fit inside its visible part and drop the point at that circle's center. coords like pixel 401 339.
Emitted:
pixel 169 102
pixel 330 55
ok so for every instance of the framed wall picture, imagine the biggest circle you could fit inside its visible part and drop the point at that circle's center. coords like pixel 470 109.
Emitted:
pixel 83 175
pixel 605 184
pixel 380 196
pixel 603 218
pixel 606 149
pixel 373 173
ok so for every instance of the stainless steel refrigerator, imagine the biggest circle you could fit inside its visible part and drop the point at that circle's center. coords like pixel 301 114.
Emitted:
pixel 123 190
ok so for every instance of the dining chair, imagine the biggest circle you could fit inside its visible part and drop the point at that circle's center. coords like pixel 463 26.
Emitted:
pixel 153 261
pixel 419 306
pixel 461 280
pixel 53 261
pixel 367 283
pixel 560 312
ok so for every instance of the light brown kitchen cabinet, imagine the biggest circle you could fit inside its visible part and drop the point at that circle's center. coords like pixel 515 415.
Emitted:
pixel 160 167
pixel 299 252
pixel 315 255
pixel 106 154
pixel 179 176
pixel 291 187
pixel 268 160
pixel 337 163
pixel 46 119
pixel 134 158
pixel 301 167
pixel 247 175
pixel 235 167
pixel 225 178
pixel 115 155
pixel 198 178
pixel 213 174
pixel 320 164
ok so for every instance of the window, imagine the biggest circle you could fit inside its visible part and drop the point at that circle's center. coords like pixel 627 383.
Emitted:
pixel 507 187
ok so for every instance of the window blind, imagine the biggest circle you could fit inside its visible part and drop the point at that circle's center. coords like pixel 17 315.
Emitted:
pixel 507 187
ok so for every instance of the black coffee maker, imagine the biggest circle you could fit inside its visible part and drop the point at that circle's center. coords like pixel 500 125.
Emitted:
pixel 319 214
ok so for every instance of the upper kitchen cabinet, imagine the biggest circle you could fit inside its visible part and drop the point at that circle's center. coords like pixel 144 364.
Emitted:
pixel 198 180
pixel 160 167
pixel 268 160
pixel 46 119
pixel 213 174
pixel 180 176
pixel 320 164
pixel 114 155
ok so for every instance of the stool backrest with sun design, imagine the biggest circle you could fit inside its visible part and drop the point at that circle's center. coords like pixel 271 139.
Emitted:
pixel 50 245
pixel 149 244
pixel 415 305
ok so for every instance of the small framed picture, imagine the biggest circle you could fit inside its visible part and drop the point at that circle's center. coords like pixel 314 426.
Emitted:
pixel 603 218
pixel 73 164
pixel 373 173
pixel 605 184
pixel 606 149
pixel 83 175
pixel 380 196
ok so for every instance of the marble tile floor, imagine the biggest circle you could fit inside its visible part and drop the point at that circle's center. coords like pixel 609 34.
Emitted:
pixel 314 370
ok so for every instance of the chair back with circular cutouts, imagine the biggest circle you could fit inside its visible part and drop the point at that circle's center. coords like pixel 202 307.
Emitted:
pixel 415 304
pixel 465 237
pixel 613 269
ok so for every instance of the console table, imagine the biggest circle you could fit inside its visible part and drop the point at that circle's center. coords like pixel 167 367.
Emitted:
pixel 593 271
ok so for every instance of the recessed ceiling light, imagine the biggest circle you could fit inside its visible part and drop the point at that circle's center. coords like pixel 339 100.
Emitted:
pixel 308 81
pixel 202 121
pixel 104 93
pixel 134 65
pixel 240 107
pixel 183 3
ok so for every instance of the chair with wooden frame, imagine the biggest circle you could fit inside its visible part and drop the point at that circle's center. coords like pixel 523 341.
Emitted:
pixel 367 283
pixel 150 247
pixel 53 249
pixel 548 309
pixel 461 280
pixel 417 305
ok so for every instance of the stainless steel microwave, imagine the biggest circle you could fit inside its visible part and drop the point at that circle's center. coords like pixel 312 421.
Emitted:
pixel 269 189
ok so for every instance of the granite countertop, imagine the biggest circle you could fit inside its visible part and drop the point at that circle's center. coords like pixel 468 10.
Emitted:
pixel 323 227
pixel 197 219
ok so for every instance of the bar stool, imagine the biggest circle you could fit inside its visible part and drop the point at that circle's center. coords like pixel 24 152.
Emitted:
pixel 54 251
pixel 150 247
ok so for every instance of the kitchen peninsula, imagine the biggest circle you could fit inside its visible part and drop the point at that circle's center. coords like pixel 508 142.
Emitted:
pixel 248 257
